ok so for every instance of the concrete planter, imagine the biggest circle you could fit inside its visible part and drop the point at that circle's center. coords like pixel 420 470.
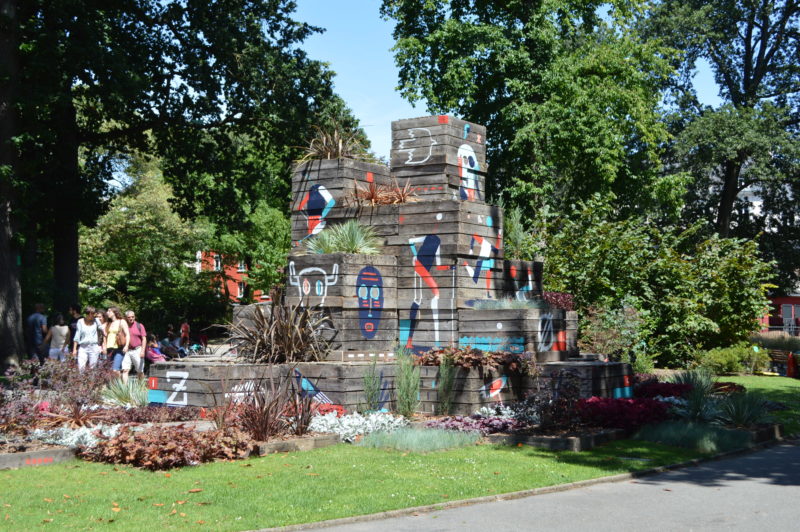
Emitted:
pixel 577 443
pixel 297 444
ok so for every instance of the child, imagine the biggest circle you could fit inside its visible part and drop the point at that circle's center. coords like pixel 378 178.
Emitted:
pixel 153 353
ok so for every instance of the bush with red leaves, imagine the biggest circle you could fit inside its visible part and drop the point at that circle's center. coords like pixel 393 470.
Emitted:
pixel 561 300
pixel 627 414
pixel 650 389
pixel 160 448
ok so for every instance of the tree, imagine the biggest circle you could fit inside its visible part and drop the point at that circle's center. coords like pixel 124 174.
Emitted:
pixel 168 77
pixel 751 141
pixel 140 255
pixel 569 98
pixel 694 292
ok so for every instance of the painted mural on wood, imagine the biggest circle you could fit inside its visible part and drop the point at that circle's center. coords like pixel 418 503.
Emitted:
pixel 369 288
pixel 315 206
pixel 312 281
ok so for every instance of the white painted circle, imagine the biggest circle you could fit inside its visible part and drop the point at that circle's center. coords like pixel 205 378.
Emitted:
pixel 439 216
pixel 499 325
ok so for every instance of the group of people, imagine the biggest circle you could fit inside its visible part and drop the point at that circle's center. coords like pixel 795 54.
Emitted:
pixel 93 336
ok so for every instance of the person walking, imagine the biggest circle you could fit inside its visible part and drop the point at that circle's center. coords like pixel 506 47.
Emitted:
pixel 35 331
pixel 74 316
pixel 117 338
pixel 185 334
pixel 135 355
pixel 88 339
pixel 58 337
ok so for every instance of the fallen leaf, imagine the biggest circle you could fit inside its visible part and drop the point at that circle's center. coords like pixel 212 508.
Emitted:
pixel 312 474
pixel 7 505
pixel 116 509
pixel 8 517
pixel 47 520
pixel 47 500
pixel 180 502
pixel 114 504
pixel 446 496
pixel 104 473
pixel 158 504
pixel 497 472
pixel 66 496
pixel 200 522
pixel 247 465
pixel 202 503
pixel 182 514
pixel 173 512
pixel 195 490
pixel 167 475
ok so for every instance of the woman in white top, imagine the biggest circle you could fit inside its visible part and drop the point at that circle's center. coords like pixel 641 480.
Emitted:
pixel 58 337
pixel 88 335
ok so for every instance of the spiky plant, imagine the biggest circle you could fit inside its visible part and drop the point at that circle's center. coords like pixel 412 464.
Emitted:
pixel 131 393
pixel 334 143
pixel 743 409
pixel 349 237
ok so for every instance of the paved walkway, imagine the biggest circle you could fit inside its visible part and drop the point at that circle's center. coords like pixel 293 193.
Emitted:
pixel 757 491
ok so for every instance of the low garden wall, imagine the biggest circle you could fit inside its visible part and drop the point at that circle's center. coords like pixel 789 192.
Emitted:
pixel 211 384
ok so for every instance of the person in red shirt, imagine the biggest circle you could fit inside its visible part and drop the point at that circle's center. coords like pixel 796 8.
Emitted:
pixel 185 333
pixel 134 356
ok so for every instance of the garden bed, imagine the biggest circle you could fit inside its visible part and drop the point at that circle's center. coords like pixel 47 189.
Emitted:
pixel 566 442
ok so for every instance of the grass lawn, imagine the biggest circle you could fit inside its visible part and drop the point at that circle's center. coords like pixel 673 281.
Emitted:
pixel 283 489
pixel 780 389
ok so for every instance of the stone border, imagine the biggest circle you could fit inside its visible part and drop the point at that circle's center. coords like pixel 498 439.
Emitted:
pixel 401 512
pixel 36 458
pixel 297 444
pixel 582 442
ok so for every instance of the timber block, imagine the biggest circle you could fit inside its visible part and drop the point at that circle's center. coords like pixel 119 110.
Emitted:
pixel 522 279
pixel 320 185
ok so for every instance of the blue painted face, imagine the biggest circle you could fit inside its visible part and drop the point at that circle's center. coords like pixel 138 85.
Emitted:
pixel 369 287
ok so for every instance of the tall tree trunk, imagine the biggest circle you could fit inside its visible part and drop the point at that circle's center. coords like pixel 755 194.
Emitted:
pixel 730 189
pixel 11 345
pixel 64 228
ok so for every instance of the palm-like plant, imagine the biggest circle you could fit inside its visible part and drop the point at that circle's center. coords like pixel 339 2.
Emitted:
pixel 334 143
pixel 349 237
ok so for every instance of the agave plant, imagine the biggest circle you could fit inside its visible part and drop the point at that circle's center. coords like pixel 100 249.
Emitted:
pixel 280 333
pixel 120 393
pixel 349 237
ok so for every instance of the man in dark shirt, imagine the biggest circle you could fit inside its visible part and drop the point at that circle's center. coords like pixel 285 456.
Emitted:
pixel 35 331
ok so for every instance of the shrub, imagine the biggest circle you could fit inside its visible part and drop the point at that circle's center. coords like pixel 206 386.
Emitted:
pixel 120 393
pixel 559 300
pixel 497 410
pixel 701 380
pixel 627 414
pixel 692 435
pixel 406 384
pixel 444 385
pixel 82 437
pixel 554 403
pixel 468 357
pixel 348 237
pixel 419 440
pixel 375 194
pixel 350 426
pixel 651 389
pixel 160 448
pixel 280 333
pixel 477 424
pixel 263 410
pixel 372 388
pixel 743 410
pixel 735 359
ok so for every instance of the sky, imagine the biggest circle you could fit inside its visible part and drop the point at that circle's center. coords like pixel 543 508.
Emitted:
pixel 357 44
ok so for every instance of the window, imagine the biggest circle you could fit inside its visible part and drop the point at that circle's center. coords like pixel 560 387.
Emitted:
pixel 240 284
pixel 242 266
pixel 217 263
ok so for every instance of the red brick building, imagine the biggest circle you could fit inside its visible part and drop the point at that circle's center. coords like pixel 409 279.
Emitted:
pixel 231 275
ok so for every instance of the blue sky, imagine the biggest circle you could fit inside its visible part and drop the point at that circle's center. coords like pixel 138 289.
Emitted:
pixel 357 46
